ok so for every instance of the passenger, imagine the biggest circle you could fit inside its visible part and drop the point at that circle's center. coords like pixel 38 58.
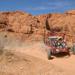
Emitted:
pixel 60 43
pixel 63 44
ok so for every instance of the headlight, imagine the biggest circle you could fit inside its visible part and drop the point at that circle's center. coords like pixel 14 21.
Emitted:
pixel 57 50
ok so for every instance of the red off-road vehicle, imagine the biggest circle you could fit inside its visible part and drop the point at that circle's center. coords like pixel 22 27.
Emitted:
pixel 56 45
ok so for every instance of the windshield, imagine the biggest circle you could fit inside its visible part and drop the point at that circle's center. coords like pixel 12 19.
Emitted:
pixel 52 41
pixel 56 42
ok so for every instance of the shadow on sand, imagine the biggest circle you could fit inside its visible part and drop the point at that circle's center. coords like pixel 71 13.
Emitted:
pixel 62 54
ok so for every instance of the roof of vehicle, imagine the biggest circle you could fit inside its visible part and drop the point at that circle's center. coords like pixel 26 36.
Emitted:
pixel 58 37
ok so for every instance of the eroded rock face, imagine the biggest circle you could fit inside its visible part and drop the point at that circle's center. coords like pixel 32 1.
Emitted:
pixel 17 21
pixel 61 23
pixel 34 26
pixel 21 22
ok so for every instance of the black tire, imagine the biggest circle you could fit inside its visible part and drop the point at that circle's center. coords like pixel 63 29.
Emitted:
pixel 73 51
pixel 49 55
pixel 68 50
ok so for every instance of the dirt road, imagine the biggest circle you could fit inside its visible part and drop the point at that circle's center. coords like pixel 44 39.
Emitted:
pixel 32 60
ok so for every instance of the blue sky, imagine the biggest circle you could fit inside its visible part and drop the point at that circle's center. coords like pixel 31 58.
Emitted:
pixel 37 6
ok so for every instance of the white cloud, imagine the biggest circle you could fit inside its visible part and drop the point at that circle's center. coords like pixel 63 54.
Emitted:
pixel 50 5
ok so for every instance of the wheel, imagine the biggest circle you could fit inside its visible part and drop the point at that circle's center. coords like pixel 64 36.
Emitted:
pixel 68 51
pixel 73 50
pixel 49 55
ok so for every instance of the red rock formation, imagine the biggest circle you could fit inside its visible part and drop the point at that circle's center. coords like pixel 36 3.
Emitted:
pixel 34 26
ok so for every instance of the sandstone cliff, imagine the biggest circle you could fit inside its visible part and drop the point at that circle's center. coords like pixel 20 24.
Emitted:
pixel 27 26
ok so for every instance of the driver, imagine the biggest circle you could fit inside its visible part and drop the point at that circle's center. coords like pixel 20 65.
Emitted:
pixel 60 43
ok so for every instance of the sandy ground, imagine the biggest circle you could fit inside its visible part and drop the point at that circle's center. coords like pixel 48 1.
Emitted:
pixel 32 60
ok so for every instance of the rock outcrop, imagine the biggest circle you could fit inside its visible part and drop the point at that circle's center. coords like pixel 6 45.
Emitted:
pixel 64 23
pixel 34 27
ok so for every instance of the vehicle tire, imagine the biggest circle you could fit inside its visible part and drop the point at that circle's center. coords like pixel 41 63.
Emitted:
pixel 73 49
pixel 49 55
pixel 68 50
